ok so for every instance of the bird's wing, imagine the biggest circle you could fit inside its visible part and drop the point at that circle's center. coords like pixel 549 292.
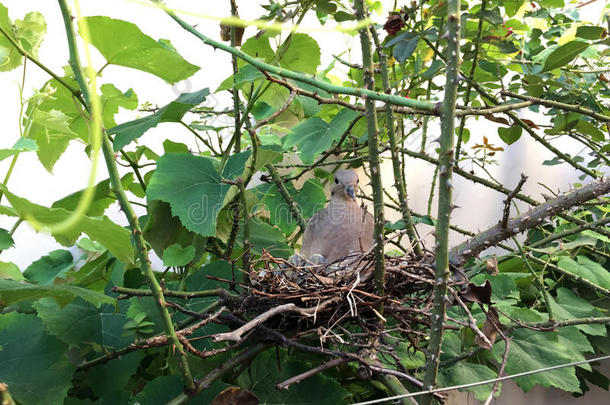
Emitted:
pixel 366 232
pixel 314 228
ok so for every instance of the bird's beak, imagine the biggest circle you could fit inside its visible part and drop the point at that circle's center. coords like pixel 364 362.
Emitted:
pixel 350 191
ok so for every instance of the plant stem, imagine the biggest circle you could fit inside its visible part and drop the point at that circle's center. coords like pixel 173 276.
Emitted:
pixel 132 218
pixel 539 280
pixel 301 77
pixel 373 140
pixel 466 98
pixel 204 383
pixel 235 90
pixel 398 173
pixel 292 206
pixel 445 188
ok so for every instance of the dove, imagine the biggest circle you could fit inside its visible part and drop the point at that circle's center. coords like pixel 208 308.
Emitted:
pixel 341 228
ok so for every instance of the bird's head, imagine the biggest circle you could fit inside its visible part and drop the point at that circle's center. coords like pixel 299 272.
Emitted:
pixel 345 185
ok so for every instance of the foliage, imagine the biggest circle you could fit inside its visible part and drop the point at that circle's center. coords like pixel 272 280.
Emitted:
pixel 90 329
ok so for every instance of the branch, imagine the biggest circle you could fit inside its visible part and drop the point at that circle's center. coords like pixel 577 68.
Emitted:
pixel 445 189
pixel 236 335
pixel 398 174
pixel 509 198
pixel 558 105
pixel 373 140
pixel 292 206
pixel 310 373
pixel 330 88
pixel 499 188
pixel 136 292
pixel 243 358
pixel 132 218
pixel 576 229
pixel 530 219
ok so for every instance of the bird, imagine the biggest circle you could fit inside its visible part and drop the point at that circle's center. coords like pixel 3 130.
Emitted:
pixel 343 227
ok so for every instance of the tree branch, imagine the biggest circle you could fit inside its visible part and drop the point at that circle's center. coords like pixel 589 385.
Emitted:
pixel 373 140
pixel 445 189
pixel 530 219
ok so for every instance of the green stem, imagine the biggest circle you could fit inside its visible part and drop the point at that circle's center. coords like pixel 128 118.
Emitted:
pixel 292 206
pixel 577 229
pixel 235 90
pixel 204 383
pixel 301 77
pixel 445 188
pixel 132 218
pixel 477 43
pixel 538 280
pixel 519 122
pixel 398 173
pixel 396 387
pixel 373 140
pixel 559 105
pixel 136 292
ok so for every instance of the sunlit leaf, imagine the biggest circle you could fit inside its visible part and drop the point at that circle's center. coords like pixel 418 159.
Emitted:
pixel 123 43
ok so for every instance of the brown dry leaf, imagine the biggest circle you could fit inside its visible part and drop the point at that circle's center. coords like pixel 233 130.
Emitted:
pixel 489 329
pixel 499 120
pixel 478 293
pixel 235 396
pixel 491 265
pixel 530 123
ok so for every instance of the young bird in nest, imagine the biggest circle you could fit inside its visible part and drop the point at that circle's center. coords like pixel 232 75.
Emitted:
pixel 343 227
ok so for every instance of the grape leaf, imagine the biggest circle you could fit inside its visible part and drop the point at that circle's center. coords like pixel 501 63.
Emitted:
pixel 172 112
pixel 33 362
pixel 123 43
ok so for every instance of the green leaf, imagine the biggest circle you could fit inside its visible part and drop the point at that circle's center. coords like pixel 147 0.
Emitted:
pixel 113 237
pixel 22 145
pixel 590 32
pixel 265 236
pixel 46 269
pixel 564 55
pixel 510 135
pixel 28 32
pixel 435 66
pixel 175 255
pixel 53 142
pixel 102 198
pixel 33 362
pixel 314 135
pixel 82 324
pixel 587 269
pixel 532 350
pixel 173 112
pixel 112 99
pixel 491 16
pixel 591 130
pixel 568 306
pixel 6 240
pixel 512 6
pixel 193 188
pixel 309 199
pixel 109 381
pixel 162 390
pixel 123 43
pixel 12 291
pixel 464 373
pixel 10 271
pixel 404 49
pixel 246 75
pixel 264 374
pixel 552 3
pixel 162 229
pixel 302 54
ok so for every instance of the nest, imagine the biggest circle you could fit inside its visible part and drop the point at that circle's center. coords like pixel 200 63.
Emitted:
pixel 330 297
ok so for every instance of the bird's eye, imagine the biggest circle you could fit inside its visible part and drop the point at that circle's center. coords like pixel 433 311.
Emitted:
pixel 357 180
pixel 336 181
